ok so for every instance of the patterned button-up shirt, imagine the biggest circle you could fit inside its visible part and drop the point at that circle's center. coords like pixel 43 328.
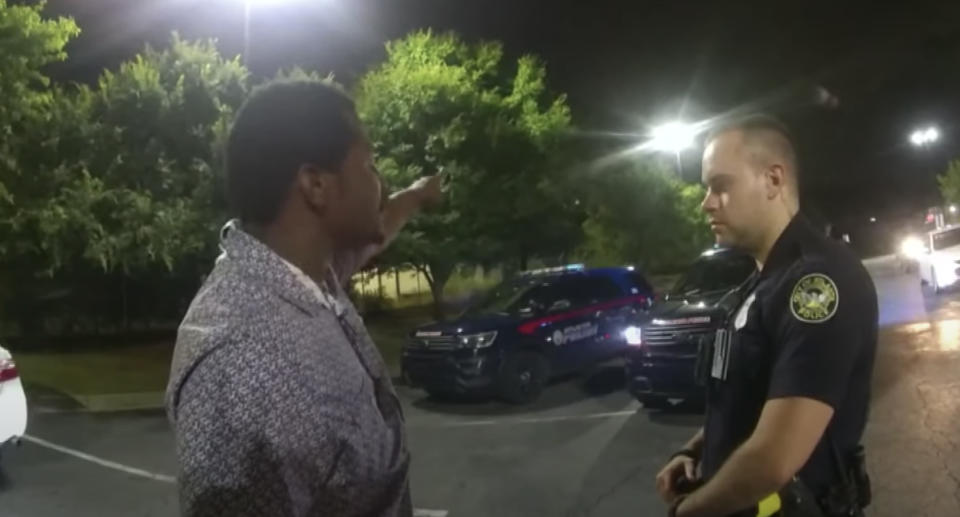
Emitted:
pixel 280 402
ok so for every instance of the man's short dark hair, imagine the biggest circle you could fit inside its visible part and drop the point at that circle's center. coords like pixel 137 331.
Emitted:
pixel 282 126
pixel 764 129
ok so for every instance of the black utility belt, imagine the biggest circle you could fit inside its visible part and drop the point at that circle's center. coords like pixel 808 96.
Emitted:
pixel 847 498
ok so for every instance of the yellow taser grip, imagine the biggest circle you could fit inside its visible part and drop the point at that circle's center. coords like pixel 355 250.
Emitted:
pixel 769 505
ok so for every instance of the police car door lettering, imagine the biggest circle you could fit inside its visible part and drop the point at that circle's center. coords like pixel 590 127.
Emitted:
pixel 721 355
pixel 574 333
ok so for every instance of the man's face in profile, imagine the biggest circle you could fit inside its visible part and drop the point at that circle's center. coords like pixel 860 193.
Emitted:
pixel 736 197
pixel 355 208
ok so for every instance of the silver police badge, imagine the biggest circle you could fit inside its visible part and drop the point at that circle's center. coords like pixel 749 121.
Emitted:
pixel 741 318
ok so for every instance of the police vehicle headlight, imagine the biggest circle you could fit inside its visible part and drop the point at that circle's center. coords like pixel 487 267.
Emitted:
pixel 481 340
pixel 633 335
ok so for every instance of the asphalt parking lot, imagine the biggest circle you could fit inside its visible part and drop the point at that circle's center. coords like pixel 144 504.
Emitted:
pixel 583 449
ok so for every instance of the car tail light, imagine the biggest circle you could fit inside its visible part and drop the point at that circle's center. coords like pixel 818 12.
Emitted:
pixel 8 370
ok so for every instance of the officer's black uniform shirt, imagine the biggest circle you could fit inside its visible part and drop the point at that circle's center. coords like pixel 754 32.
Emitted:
pixel 806 326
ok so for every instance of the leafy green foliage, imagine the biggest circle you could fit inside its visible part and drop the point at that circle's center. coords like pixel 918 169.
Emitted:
pixel 949 182
pixel 110 199
pixel 31 117
pixel 160 122
pixel 120 178
pixel 440 104
pixel 639 213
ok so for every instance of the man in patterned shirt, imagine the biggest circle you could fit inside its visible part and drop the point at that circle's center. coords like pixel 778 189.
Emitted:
pixel 280 402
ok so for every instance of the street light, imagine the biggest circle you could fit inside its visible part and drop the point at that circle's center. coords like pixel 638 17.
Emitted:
pixel 247 12
pixel 923 137
pixel 674 137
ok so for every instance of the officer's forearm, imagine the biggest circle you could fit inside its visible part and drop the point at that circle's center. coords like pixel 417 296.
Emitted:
pixel 748 476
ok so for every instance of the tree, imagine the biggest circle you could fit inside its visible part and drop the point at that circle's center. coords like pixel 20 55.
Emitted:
pixel 161 120
pixel 949 182
pixel 639 212
pixel 30 116
pixel 438 103
pixel 124 195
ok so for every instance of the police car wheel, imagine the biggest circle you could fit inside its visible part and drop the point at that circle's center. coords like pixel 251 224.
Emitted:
pixel 523 377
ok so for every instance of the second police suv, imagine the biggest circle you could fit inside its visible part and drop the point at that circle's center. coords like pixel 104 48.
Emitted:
pixel 662 362
pixel 537 325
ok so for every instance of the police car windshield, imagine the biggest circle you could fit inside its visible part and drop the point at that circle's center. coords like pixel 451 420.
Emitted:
pixel 517 296
pixel 947 239
pixel 716 273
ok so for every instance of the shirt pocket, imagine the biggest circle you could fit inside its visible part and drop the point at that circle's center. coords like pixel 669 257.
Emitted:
pixel 749 355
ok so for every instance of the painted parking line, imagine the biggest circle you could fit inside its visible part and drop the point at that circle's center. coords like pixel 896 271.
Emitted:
pixel 632 410
pixel 423 512
pixel 100 461
pixel 163 478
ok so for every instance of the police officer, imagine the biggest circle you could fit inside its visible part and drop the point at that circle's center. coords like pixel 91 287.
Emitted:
pixel 788 377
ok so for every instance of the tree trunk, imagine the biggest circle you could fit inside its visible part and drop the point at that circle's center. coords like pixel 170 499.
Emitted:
pixel 438 310
pixel 124 301
pixel 524 260
pixel 396 278
pixel 437 276
pixel 379 283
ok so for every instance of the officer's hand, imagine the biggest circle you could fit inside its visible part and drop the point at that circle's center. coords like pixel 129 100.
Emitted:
pixel 668 477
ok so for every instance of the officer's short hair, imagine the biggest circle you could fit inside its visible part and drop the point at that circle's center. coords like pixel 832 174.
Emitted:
pixel 765 130
pixel 283 125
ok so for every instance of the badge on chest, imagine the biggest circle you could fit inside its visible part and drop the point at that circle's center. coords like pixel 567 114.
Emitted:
pixel 721 355
pixel 723 341
pixel 743 313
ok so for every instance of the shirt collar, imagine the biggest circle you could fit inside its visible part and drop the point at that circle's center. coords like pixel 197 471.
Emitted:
pixel 788 246
pixel 257 260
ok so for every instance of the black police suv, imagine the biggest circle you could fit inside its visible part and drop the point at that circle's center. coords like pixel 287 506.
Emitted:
pixel 663 347
pixel 539 324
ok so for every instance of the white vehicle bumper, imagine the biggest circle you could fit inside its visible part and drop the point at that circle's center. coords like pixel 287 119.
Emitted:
pixel 13 410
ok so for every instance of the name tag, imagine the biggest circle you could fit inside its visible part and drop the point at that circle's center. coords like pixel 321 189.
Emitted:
pixel 721 355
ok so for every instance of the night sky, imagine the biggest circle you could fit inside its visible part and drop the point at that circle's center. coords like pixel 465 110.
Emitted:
pixel 628 64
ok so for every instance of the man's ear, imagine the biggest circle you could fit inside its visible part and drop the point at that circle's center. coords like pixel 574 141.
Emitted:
pixel 314 186
pixel 776 180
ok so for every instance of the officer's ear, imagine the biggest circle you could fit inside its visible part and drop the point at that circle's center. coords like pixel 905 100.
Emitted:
pixel 776 175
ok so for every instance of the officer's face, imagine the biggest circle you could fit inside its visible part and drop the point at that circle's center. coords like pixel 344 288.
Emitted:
pixel 736 192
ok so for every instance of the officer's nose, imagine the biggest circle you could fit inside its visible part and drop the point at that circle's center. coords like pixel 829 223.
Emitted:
pixel 709 203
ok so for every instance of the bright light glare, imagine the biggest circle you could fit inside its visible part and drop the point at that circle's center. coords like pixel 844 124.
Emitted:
pixel 925 136
pixel 873 219
pixel 673 137
pixel 632 335
pixel 912 247
pixel 953 209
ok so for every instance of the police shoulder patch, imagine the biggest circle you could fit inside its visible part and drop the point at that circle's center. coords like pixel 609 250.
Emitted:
pixel 814 299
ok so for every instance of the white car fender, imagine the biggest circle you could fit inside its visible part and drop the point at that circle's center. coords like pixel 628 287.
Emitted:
pixel 13 405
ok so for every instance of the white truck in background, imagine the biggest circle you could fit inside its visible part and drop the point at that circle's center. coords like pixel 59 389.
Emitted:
pixel 938 261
